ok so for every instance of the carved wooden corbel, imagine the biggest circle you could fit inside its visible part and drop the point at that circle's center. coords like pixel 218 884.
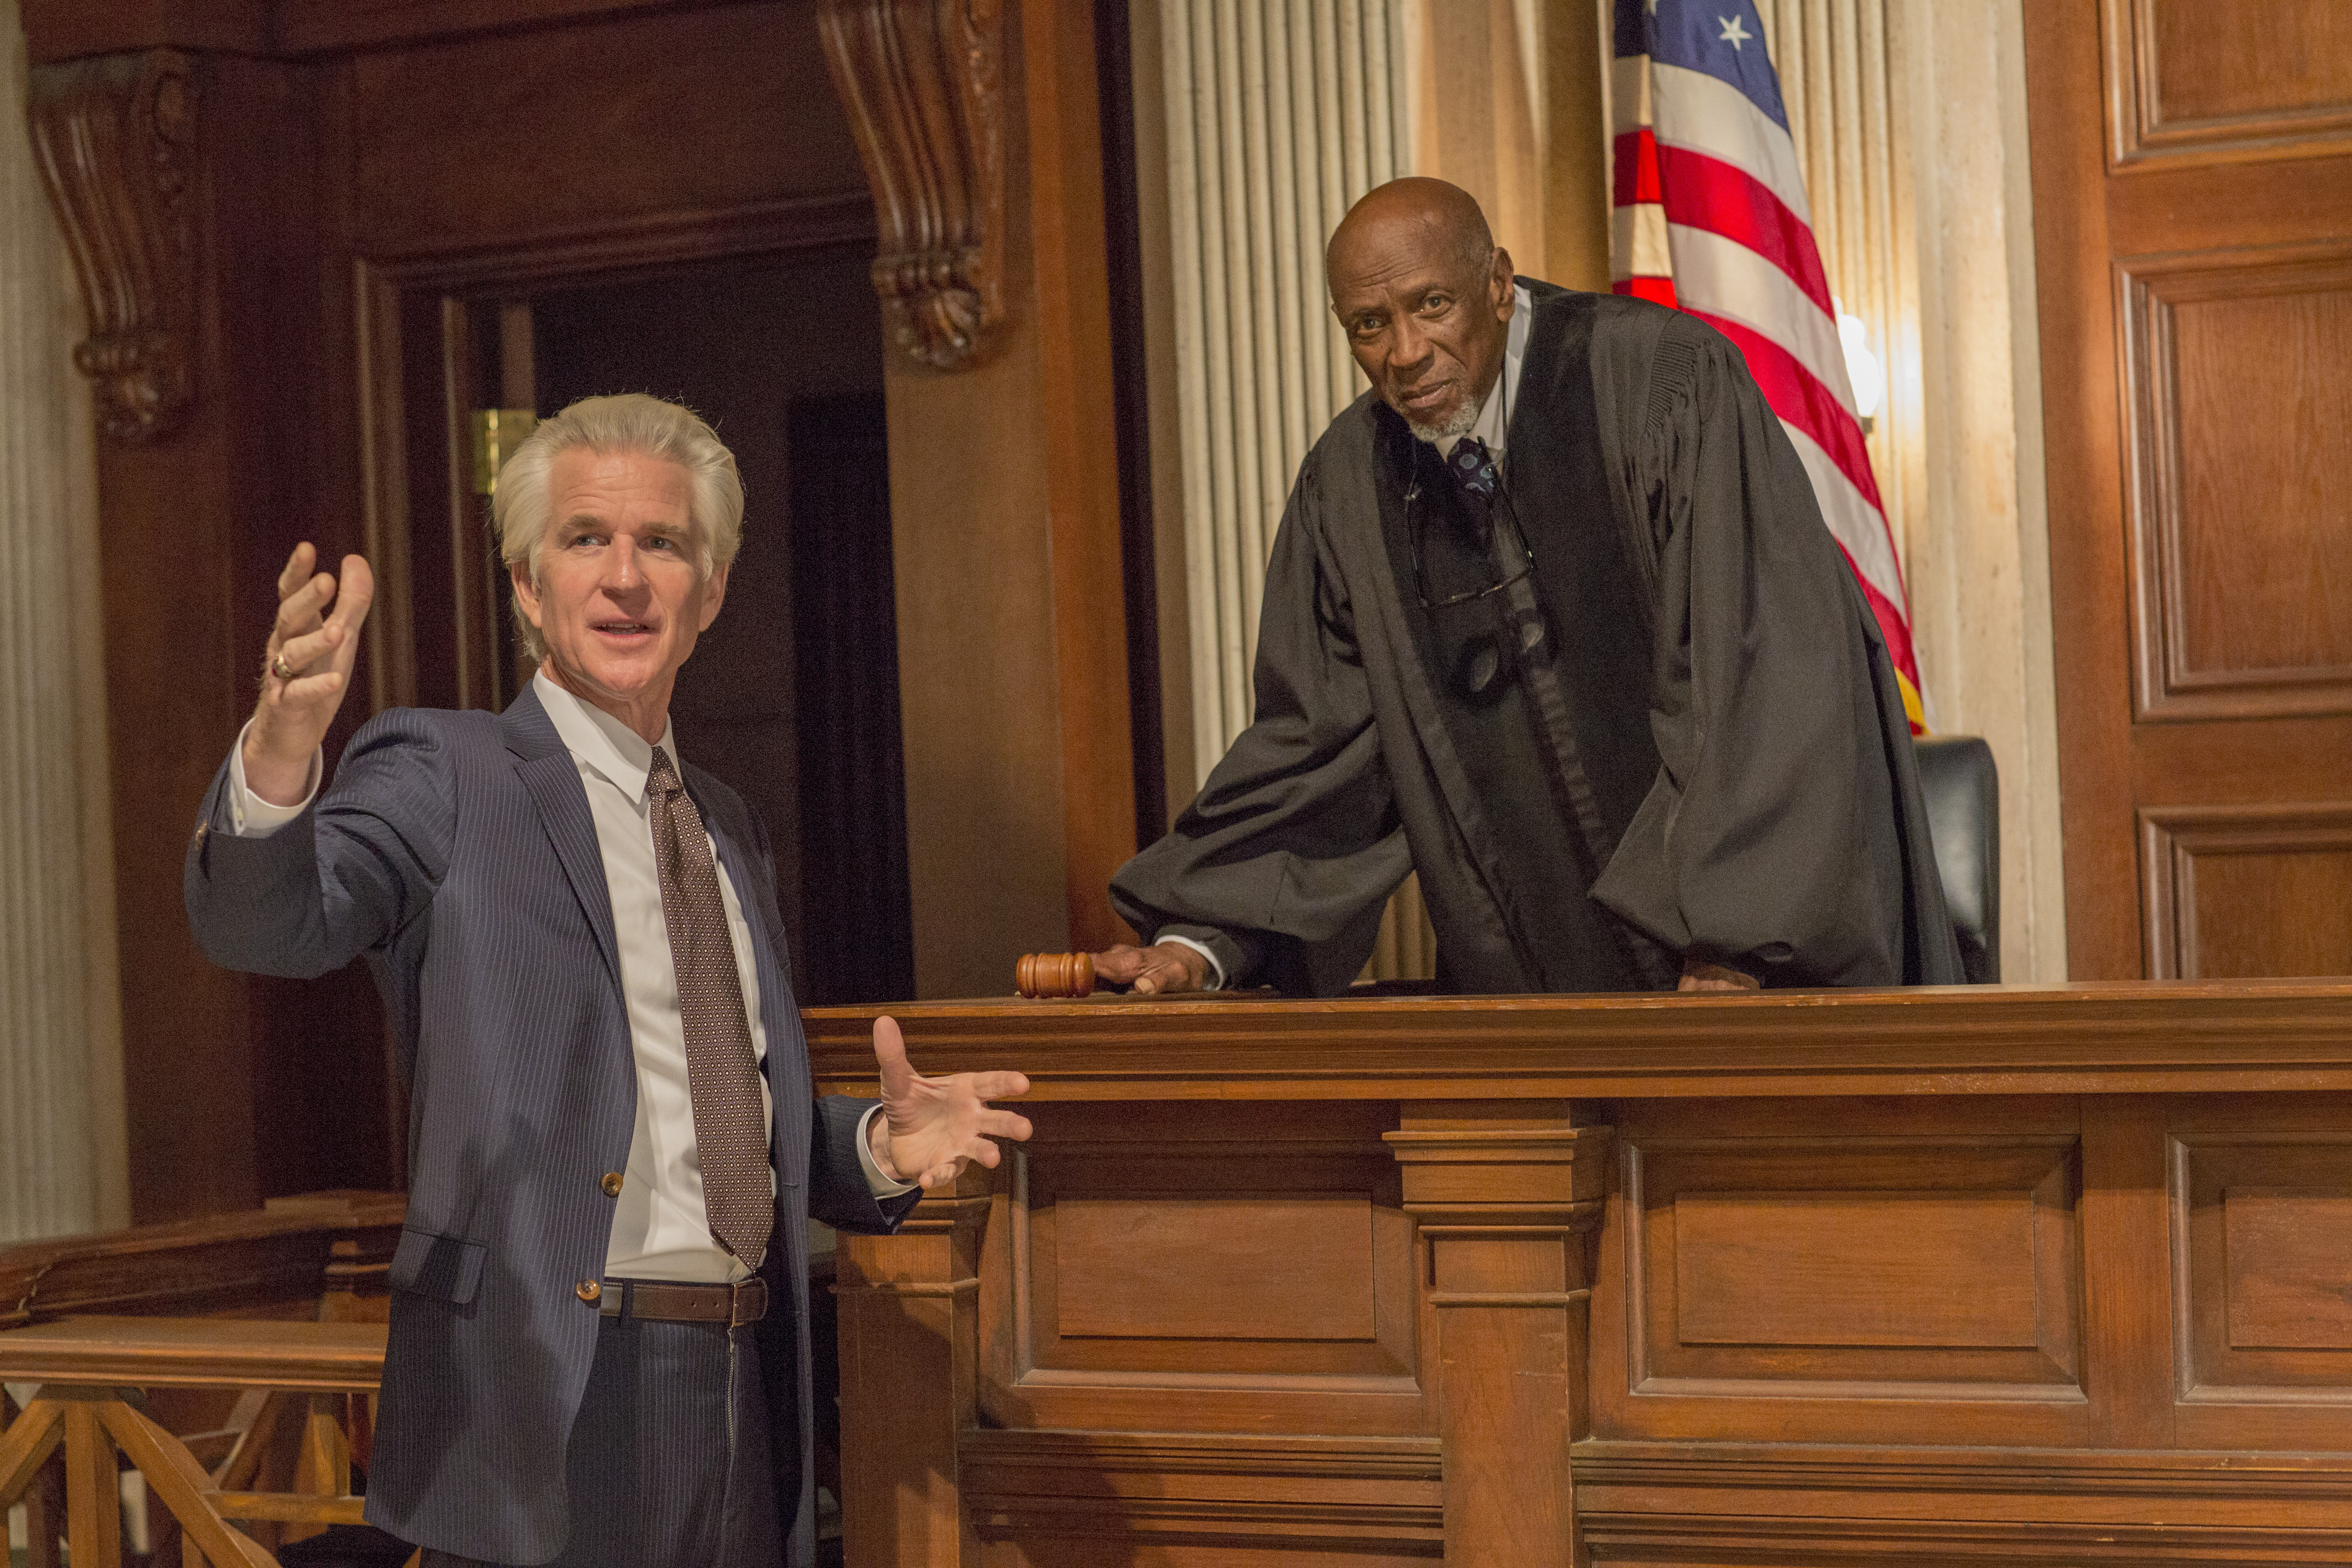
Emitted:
pixel 923 82
pixel 116 139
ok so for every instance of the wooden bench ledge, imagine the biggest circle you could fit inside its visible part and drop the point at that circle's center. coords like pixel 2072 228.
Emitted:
pixel 195 1353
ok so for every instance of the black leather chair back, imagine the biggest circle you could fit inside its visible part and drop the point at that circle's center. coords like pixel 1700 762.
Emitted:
pixel 1957 778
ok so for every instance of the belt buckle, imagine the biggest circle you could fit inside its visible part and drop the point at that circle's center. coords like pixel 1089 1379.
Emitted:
pixel 747 1302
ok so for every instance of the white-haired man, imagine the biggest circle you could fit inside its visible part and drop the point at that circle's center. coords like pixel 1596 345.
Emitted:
pixel 598 1350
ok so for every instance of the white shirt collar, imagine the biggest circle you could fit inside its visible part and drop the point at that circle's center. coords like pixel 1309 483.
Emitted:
pixel 1494 424
pixel 600 741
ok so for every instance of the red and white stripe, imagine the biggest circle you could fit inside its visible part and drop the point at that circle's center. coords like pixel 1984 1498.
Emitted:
pixel 1711 217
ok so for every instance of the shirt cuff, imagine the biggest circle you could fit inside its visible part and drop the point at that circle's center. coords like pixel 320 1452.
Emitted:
pixel 1216 970
pixel 876 1182
pixel 249 815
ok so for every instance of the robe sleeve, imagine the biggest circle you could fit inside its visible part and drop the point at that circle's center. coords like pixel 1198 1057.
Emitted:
pixel 1769 839
pixel 1282 863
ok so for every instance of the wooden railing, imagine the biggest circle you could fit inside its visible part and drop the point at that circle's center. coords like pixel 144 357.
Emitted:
pixel 232 1362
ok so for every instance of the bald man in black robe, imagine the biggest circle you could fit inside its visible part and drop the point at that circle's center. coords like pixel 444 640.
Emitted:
pixel 1553 620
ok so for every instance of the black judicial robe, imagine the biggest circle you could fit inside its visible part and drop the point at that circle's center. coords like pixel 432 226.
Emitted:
pixel 1707 758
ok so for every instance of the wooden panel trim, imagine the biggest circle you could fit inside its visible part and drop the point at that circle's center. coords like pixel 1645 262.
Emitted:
pixel 2048 1544
pixel 2067 1472
pixel 1301 1491
pixel 618 249
pixel 2148 289
pixel 2080 408
pixel 2173 836
pixel 2075 1039
pixel 2139 136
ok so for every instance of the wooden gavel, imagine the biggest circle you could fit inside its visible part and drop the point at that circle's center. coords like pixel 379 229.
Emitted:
pixel 1054 975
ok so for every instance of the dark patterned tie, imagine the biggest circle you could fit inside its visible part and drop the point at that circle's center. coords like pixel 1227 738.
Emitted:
pixel 1473 466
pixel 731 1127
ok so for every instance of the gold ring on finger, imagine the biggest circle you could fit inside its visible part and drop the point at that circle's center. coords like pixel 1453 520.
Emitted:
pixel 280 668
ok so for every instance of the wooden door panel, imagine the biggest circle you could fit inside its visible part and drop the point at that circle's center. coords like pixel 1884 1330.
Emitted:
pixel 2194 260
pixel 2228 77
pixel 2243 892
pixel 2242 483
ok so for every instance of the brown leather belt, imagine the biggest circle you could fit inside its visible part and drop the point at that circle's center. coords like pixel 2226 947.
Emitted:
pixel 661 1301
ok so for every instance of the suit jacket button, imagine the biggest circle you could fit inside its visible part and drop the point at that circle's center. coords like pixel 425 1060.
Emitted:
pixel 588 1290
pixel 611 1184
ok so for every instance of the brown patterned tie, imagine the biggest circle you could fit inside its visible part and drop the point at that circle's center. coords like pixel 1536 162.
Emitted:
pixel 731 1127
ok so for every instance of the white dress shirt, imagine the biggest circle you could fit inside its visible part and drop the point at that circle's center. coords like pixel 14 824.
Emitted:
pixel 660 1227
pixel 1493 428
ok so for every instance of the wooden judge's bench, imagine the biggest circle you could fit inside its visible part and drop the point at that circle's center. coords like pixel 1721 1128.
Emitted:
pixel 2047 1276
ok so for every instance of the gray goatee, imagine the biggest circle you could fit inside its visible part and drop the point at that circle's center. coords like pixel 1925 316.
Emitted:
pixel 1457 423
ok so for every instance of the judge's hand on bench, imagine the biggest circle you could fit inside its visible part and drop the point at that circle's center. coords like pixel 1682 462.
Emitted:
pixel 1159 970
pixel 1700 975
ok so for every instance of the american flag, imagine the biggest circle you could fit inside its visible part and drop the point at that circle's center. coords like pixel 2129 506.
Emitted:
pixel 1711 217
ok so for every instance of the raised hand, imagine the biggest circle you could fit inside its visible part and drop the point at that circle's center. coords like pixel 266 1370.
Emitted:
pixel 1165 967
pixel 931 1128
pixel 306 669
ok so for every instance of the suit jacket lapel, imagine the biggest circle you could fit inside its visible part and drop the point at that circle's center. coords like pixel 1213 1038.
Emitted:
pixel 551 775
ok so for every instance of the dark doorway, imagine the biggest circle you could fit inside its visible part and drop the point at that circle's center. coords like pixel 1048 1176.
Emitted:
pixel 792 697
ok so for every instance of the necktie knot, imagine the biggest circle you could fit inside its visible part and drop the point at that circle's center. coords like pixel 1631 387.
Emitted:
pixel 1473 467
pixel 661 779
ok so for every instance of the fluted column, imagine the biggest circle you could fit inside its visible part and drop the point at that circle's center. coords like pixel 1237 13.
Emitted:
pixel 61 1152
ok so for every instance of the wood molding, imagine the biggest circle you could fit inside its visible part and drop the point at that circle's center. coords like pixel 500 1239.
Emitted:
pixel 1680 1465
pixel 1343 1493
pixel 2141 132
pixel 2174 838
pixel 922 82
pixel 2114 1038
pixel 1713 1538
pixel 2170 684
pixel 116 141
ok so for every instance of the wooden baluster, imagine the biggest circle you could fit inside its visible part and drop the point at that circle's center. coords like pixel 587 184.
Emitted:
pixel 1508 1197
pixel 30 1458
pixel 909 1320
pixel 93 1487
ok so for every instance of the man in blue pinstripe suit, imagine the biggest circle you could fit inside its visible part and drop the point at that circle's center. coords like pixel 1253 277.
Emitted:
pixel 597 1357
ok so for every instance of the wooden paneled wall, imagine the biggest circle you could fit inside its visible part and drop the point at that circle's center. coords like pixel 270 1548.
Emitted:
pixel 1994 1277
pixel 2193 215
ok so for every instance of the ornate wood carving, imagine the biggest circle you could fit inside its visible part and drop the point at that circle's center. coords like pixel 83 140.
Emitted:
pixel 922 82
pixel 116 139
